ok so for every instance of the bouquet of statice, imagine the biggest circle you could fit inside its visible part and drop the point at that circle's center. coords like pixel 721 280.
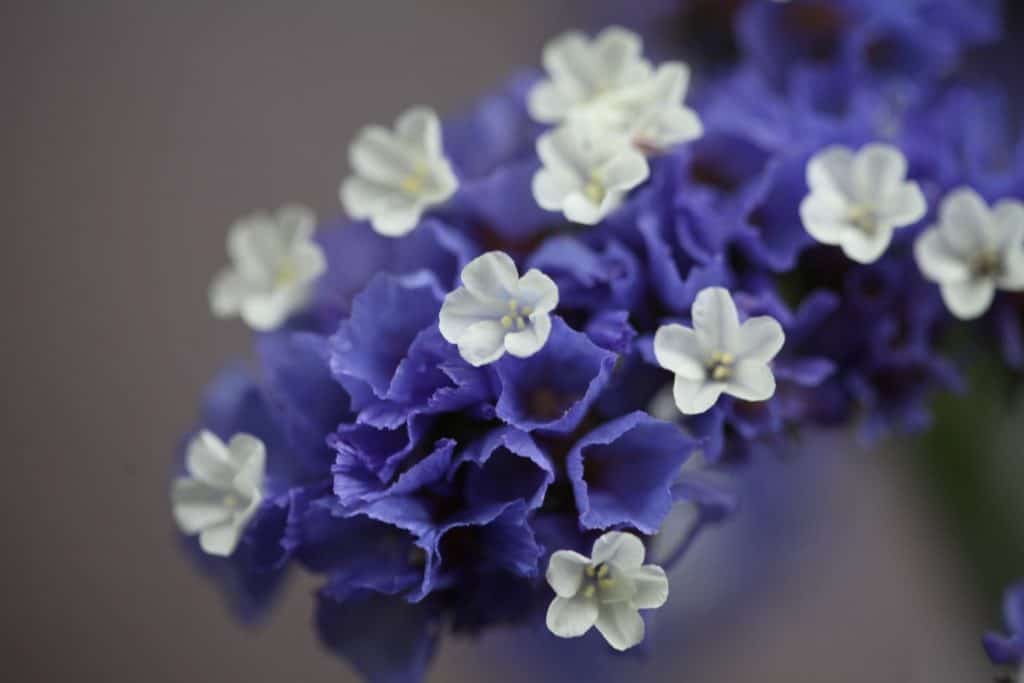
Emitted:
pixel 593 298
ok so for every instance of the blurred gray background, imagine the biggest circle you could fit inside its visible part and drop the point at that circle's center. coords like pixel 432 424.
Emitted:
pixel 132 134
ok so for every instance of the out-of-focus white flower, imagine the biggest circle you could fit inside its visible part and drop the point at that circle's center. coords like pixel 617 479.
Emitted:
pixel 973 251
pixel 605 590
pixel 222 491
pixel 398 174
pixel 274 262
pixel 495 310
pixel 858 199
pixel 585 175
pixel 582 71
pixel 719 355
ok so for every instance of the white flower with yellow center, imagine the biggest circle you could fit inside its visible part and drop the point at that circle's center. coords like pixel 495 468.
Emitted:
pixel 581 72
pixel 585 175
pixel 398 174
pixel 222 491
pixel 973 251
pixel 274 263
pixel 605 590
pixel 496 311
pixel 858 199
pixel 719 355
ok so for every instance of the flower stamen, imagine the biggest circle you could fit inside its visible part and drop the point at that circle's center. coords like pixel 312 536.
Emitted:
pixel 720 367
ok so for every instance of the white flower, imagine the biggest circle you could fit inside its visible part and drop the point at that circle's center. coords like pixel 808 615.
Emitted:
pixel 398 175
pixel 497 311
pixel 222 491
pixel 585 175
pixel 583 71
pixel 858 199
pixel 274 262
pixel 605 590
pixel 649 114
pixel 973 251
pixel 719 355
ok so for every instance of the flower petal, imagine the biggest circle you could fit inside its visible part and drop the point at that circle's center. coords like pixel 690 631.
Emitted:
pixel 695 397
pixel 565 572
pixel 420 127
pixel 539 291
pixel 966 222
pixel 482 343
pixel 969 299
pixel 760 339
pixel 531 340
pixel 878 169
pixel 651 587
pixel 751 380
pixel 571 617
pixel 905 205
pixel 221 540
pixel 209 460
pixel 621 625
pixel 197 506
pixel 492 276
pixel 624 550
pixel 461 310
pixel 938 260
pixel 678 350
pixel 832 169
pixel 865 247
pixel 715 319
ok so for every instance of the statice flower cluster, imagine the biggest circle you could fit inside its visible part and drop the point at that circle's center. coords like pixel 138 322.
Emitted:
pixel 549 319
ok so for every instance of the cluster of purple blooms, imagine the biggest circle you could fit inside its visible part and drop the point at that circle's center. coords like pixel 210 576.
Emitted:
pixel 430 479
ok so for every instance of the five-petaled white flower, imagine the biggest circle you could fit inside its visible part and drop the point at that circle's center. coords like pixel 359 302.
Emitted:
pixel 496 311
pixel 222 491
pixel 719 355
pixel 583 71
pixel 605 590
pixel 973 251
pixel 858 199
pixel 585 175
pixel 398 175
pixel 274 262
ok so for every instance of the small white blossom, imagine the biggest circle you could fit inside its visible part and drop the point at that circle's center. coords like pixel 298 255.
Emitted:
pixel 399 174
pixel 605 590
pixel 719 355
pixel 274 262
pixel 497 311
pixel 585 175
pixel 973 251
pixel 583 71
pixel 858 199
pixel 222 491
pixel 649 114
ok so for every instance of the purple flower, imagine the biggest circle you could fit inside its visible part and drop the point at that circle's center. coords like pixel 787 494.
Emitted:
pixel 1009 649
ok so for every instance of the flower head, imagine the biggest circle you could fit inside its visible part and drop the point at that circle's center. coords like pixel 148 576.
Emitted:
pixel 274 265
pixel 222 491
pixel 858 199
pixel 583 71
pixel 605 590
pixel 973 251
pixel 398 174
pixel 586 174
pixel 719 355
pixel 496 311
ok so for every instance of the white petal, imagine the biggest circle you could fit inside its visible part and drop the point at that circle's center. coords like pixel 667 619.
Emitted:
pixel 625 171
pixel 209 460
pixel 751 380
pixel 461 310
pixel 492 276
pixel 221 540
pixel 877 170
pixel 672 126
pixel 966 222
pixel 197 506
pixel 546 103
pixel 1008 216
pixel 621 625
pixel 624 550
pixel 678 350
pixel 397 222
pixel 267 310
pixel 865 247
pixel 227 292
pixel 249 456
pixel 255 246
pixel 651 587
pixel 619 50
pixel 760 339
pixel 363 198
pixel 904 206
pixel 379 156
pixel 309 261
pixel 823 215
pixel 559 151
pixel 969 299
pixel 565 572
pixel 579 209
pixel 938 260
pixel 539 291
pixel 550 188
pixel 620 588
pixel 531 340
pixel 296 223
pixel 832 169
pixel 694 397
pixel 420 127
pixel 571 617
pixel 482 343
pixel 716 320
